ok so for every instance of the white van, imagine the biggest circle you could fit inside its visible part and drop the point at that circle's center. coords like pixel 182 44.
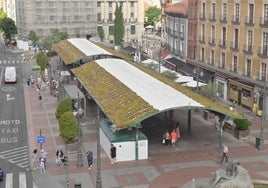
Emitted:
pixel 10 75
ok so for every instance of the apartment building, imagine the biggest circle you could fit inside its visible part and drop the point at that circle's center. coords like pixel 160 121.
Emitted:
pixel 133 13
pixel 78 18
pixel 233 42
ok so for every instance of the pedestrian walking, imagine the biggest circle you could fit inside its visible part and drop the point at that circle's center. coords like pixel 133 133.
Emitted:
pixel 178 130
pixel 113 154
pixel 42 166
pixel 173 135
pixel 34 159
pixel 89 159
pixel 59 157
pixel 39 98
pixel 44 157
pixel 224 154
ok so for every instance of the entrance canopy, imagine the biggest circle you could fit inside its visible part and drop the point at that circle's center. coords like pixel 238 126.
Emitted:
pixel 126 94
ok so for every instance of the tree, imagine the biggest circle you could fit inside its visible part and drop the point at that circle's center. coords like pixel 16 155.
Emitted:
pixel 118 25
pixel 64 105
pixel 42 60
pixel 33 37
pixel 2 14
pixel 68 127
pixel 211 91
pixel 101 33
pixel 9 28
pixel 152 16
pixel 56 37
pixel 170 75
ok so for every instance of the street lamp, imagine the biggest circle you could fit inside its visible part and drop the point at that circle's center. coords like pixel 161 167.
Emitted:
pixel 98 180
pixel 260 140
pixel 78 113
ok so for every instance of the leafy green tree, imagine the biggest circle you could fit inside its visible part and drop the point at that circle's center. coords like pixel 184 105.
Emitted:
pixel 211 91
pixel 9 28
pixel 56 37
pixel 42 60
pixel 2 14
pixel 118 25
pixel 170 75
pixel 101 33
pixel 33 37
pixel 64 105
pixel 68 127
pixel 152 16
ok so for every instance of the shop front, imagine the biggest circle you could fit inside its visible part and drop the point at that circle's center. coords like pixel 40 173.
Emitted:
pixel 241 93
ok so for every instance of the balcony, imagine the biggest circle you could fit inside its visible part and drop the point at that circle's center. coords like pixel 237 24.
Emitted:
pixel 202 39
pixel 234 46
pixel 222 43
pixel 249 21
pixel 235 19
pixel 132 20
pixel 223 18
pixel 211 41
pixel 263 51
pixel 202 16
pixel 248 49
pixel 264 22
pixel 212 18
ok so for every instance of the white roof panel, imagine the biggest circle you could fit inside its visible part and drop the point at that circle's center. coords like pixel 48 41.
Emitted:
pixel 146 86
pixel 87 47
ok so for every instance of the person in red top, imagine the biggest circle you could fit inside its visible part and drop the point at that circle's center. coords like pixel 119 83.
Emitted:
pixel 174 136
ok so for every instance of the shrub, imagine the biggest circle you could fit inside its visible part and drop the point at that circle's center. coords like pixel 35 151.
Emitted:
pixel 242 124
pixel 65 105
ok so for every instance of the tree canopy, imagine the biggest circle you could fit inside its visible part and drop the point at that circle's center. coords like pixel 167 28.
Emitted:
pixel 68 127
pixel 152 16
pixel 64 105
pixel 42 60
pixel 118 25
pixel 8 26
pixel 33 37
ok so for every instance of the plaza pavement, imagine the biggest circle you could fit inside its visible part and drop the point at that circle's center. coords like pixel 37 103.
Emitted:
pixel 195 156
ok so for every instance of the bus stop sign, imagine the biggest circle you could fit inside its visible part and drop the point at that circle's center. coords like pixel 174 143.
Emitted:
pixel 41 139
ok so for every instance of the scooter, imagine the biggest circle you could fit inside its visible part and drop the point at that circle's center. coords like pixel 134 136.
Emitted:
pixel 2 175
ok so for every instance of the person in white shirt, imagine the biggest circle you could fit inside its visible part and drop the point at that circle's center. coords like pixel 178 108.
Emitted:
pixel 224 154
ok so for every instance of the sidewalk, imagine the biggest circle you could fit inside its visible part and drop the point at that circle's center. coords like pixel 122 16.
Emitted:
pixel 195 156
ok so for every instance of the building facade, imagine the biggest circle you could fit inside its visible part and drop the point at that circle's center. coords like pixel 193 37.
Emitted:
pixel 233 42
pixel 76 17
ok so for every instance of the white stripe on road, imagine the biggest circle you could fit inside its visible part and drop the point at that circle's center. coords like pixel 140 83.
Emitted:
pixel 22 178
pixel 9 180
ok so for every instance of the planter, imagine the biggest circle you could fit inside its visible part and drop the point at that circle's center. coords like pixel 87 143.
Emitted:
pixel 241 134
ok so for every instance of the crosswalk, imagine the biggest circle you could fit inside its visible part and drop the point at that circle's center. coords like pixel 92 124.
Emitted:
pixel 18 156
pixel 11 61
pixel 11 178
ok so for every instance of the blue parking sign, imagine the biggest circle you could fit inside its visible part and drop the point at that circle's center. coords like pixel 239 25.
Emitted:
pixel 41 139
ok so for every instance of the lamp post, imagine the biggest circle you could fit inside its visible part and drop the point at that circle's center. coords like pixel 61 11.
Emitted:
pixel 220 135
pixel 98 180
pixel 260 140
pixel 79 114
pixel 198 72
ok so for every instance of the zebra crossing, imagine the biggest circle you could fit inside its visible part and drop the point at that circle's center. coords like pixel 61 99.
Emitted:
pixel 11 61
pixel 10 179
pixel 18 156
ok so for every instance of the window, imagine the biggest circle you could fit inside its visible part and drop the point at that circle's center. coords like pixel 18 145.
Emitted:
pixel 182 31
pixel 224 36
pixel 111 30
pixel 237 9
pixel 250 41
pixel 132 4
pixel 98 4
pixel 248 67
pixel 110 4
pixel 213 34
pixel 110 17
pixel 251 13
pixel 51 18
pixel 203 32
pixel 213 11
pixel 263 71
pixel 224 11
pixel 204 10
pixel 212 57
pixel 121 4
pixel 265 43
pixel 235 38
pixel 223 60
pixel 235 64
pixel 50 4
pixel 132 15
pixel 132 30
pixel 176 27
pixel 265 13
pixel 99 17
pixel 203 54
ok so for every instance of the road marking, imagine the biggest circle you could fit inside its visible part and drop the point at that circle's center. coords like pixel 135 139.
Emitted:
pixel 22 179
pixel 9 180
pixel 8 88
pixel 9 98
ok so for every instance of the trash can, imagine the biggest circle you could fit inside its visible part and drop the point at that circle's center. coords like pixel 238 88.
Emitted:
pixel 259 143
pixel 77 185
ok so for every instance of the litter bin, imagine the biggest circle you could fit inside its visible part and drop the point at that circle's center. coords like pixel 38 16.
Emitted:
pixel 259 143
pixel 77 185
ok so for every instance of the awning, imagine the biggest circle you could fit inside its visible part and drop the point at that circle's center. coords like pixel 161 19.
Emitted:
pixel 193 84
pixel 241 84
pixel 175 62
pixel 183 79
pixel 204 75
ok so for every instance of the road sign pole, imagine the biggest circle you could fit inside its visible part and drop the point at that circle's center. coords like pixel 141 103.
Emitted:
pixel 40 135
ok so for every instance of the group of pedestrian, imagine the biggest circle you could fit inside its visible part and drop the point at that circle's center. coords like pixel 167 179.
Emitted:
pixel 39 161
pixel 171 138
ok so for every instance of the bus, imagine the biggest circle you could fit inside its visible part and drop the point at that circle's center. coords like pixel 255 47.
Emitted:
pixel 10 75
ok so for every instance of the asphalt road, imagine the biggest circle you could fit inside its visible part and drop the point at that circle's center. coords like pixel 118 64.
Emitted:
pixel 14 153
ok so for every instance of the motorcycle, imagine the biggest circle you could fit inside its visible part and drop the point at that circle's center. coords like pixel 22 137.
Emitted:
pixel 2 176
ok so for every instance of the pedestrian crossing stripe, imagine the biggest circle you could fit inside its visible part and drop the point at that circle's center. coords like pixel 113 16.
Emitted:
pixel 14 61
pixel 22 180
pixel 18 156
